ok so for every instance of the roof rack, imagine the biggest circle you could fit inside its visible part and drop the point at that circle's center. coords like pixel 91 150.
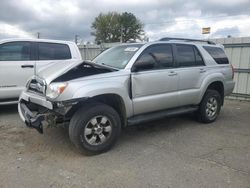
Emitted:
pixel 187 40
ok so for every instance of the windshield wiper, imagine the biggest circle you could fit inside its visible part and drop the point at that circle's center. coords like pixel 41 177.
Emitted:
pixel 108 65
pixel 102 65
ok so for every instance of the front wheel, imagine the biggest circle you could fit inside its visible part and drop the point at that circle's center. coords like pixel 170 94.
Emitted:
pixel 94 128
pixel 210 106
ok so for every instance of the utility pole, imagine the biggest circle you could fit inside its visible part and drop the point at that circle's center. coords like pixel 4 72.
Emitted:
pixel 76 39
pixel 121 38
pixel 38 35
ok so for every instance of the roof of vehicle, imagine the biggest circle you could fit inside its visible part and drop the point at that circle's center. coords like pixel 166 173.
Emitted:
pixel 186 42
pixel 197 42
pixel 35 40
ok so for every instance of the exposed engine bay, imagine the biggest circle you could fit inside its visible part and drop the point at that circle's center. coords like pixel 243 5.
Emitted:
pixel 82 70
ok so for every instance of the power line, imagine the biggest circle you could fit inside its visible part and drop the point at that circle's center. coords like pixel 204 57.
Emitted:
pixel 195 19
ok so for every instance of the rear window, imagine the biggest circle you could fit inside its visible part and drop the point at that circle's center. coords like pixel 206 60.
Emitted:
pixel 217 54
pixel 186 56
pixel 53 51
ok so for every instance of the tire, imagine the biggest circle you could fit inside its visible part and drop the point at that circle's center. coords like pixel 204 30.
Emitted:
pixel 94 128
pixel 210 106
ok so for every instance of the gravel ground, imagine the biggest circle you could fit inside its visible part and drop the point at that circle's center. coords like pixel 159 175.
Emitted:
pixel 174 152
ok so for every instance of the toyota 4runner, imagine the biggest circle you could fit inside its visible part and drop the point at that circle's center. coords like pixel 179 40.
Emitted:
pixel 127 85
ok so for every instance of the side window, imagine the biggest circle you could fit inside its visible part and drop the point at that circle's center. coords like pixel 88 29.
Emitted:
pixel 53 51
pixel 185 55
pixel 217 54
pixel 160 55
pixel 198 58
pixel 15 51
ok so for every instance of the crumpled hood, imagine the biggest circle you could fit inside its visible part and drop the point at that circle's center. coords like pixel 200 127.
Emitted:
pixel 56 69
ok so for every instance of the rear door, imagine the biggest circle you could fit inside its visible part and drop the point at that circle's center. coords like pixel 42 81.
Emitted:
pixel 191 70
pixel 155 88
pixel 16 66
pixel 49 53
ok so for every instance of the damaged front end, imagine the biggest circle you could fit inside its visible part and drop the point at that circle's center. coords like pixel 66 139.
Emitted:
pixel 36 116
pixel 32 120
pixel 43 101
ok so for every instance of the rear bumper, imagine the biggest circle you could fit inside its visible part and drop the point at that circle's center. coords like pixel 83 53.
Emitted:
pixel 228 87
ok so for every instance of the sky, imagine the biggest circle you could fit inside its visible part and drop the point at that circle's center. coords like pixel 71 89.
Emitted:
pixel 63 19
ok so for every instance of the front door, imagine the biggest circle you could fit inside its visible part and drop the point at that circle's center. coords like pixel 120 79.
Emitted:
pixel 155 88
pixel 16 67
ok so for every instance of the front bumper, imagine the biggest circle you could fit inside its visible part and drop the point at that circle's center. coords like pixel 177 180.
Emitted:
pixel 33 119
pixel 56 112
pixel 35 98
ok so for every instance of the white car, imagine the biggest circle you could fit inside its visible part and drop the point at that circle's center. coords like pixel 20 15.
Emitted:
pixel 22 58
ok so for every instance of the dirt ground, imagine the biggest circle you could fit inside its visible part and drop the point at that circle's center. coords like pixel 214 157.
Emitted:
pixel 174 152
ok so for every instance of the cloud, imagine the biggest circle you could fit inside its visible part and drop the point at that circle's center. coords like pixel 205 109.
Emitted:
pixel 14 30
pixel 62 19
pixel 227 31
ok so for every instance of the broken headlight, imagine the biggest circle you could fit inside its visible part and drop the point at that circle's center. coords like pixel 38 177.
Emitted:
pixel 55 89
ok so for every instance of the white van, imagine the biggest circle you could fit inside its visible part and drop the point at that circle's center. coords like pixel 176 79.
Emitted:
pixel 22 58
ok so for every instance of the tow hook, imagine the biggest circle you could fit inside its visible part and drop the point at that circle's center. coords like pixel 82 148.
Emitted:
pixel 35 122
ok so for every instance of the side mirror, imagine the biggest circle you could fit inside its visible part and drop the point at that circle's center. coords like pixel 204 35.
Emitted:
pixel 142 65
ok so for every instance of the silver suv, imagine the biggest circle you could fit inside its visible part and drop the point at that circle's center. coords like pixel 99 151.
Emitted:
pixel 127 85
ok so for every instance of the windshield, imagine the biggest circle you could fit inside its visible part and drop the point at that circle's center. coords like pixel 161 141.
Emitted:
pixel 117 57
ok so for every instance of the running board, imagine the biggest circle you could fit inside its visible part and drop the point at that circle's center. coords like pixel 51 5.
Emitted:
pixel 8 102
pixel 160 114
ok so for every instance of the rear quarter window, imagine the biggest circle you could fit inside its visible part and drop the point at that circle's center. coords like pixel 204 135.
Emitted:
pixel 217 54
pixel 53 51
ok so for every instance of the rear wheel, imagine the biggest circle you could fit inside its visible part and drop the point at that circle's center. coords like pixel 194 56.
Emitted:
pixel 210 106
pixel 94 128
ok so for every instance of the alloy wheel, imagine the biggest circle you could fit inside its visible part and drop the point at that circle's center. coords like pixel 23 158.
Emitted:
pixel 98 130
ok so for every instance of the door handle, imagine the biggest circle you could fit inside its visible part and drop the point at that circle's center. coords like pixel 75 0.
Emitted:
pixel 27 66
pixel 172 73
pixel 202 70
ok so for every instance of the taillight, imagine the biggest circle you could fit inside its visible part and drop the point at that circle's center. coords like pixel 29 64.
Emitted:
pixel 232 71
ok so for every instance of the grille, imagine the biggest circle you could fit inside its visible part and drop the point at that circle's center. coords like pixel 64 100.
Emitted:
pixel 37 86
